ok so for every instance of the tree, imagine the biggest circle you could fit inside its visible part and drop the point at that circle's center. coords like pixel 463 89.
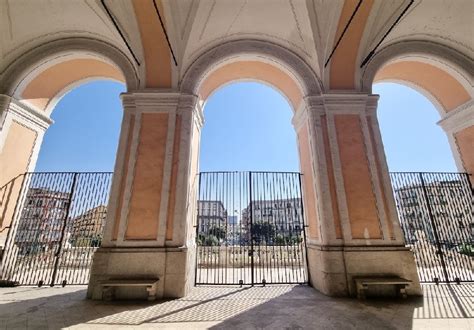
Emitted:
pixel 218 232
pixel 263 231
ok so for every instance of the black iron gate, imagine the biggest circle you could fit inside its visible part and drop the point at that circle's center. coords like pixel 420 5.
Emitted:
pixel 436 216
pixel 56 227
pixel 250 229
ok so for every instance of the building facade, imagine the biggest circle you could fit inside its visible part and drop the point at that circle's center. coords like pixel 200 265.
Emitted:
pixel 443 202
pixel 211 214
pixel 42 220
pixel 87 228
pixel 285 215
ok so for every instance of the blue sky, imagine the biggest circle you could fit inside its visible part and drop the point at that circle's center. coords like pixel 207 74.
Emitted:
pixel 247 127
pixel 84 136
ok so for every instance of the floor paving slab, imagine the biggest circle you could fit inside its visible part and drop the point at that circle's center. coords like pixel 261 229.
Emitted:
pixel 270 307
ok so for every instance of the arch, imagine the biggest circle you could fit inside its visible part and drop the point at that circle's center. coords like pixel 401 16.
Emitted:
pixel 257 71
pixel 44 90
pixel 25 69
pixel 262 55
pixel 442 74
pixel 400 62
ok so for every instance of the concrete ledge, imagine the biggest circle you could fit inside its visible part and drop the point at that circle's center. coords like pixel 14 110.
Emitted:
pixel 332 269
pixel 173 266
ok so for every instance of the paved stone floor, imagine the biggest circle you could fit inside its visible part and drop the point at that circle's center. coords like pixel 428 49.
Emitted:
pixel 271 307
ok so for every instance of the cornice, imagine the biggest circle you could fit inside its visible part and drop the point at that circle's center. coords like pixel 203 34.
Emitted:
pixel 150 101
pixel 24 111
pixel 458 119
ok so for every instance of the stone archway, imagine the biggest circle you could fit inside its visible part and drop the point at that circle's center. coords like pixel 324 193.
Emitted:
pixel 444 76
pixel 31 87
pixel 153 200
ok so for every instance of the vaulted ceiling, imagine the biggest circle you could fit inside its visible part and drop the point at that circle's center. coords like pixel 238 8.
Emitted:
pixel 309 28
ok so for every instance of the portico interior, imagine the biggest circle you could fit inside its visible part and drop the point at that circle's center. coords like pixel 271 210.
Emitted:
pixel 323 56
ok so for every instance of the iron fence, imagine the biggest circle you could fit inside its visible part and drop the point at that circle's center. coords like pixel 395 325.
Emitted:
pixel 248 235
pixel 436 217
pixel 55 228
pixel 250 229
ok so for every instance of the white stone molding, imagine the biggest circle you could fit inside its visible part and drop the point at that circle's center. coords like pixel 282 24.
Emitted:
pixel 350 104
pixel 455 121
pixel 374 178
pixel 135 141
pixel 11 105
pixel 459 62
pixel 191 115
pixel 30 61
pixel 15 111
pixel 385 180
pixel 458 119
pixel 207 61
pixel 117 180
pixel 327 229
pixel 338 178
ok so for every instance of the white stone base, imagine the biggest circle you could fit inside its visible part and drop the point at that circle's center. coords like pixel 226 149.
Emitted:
pixel 173 266
pixel 332 269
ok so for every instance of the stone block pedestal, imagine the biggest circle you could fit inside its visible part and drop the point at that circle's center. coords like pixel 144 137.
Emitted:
pixel 332 269
pixel 173 266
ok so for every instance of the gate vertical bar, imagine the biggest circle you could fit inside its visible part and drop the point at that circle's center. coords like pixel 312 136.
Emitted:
pixel 63 229
pixel 433 225
pixel 251 232
pixel 304 227
pixel 198 211
pixel 8 265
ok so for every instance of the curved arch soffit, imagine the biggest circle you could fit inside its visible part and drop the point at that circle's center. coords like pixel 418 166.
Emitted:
pixel 265 83
pixel 34 60
pixel 461 65
pixel 255 50
pixel 438 106
pixel 66 89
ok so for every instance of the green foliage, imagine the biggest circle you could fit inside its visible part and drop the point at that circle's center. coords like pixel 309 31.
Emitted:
pixel 207 240
pixel 263 232
pixel 287 240
pixel 467 249
pixel 218 232
pixel 87 241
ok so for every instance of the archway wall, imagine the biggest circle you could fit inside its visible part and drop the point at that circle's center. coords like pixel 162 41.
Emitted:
pixel 444 76
pixel 271 64
pixel 32 85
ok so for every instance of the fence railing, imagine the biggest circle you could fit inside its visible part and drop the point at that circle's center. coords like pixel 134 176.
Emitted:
pixel 436 216
pixel 54 227
pixel 51 224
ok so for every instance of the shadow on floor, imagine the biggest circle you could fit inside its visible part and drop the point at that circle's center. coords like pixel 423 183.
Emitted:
pixel 233 307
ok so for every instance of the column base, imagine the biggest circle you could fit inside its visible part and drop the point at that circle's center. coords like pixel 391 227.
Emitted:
pixel 173 266
pixel 332 269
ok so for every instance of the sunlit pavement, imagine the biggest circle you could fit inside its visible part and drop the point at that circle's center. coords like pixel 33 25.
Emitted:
pixel 270 307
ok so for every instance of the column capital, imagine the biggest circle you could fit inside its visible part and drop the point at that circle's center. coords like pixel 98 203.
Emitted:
pixel 350 103
pixel 161 101
pixel 24 113
pixel 340 103
pixel 458 119
pixel 149 100
pixel 332 104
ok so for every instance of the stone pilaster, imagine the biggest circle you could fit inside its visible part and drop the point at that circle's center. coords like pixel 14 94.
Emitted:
pixel 149 231
pixel 21 132
pixel 358 228
pixel 458 125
